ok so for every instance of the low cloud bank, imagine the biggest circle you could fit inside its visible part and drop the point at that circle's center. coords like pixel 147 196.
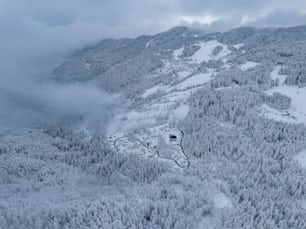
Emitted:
pixel 26 102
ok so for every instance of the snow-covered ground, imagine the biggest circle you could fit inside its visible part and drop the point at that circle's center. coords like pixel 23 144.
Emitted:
pixel 248 65
pixel 177 53
pixel 181 111
pixel 287 116
pixel 206 50
pixel 183 74
pixel 297 111
pixel 221 201
pixel 153 90
pixel 276 76
pixel 195 80
pixel 207 223
pixel 238 46
pixel 301 158
pixel 88 66
pixel 151 126
pixel 178 158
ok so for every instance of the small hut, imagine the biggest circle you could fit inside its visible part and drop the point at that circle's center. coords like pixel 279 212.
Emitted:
pixel 172 138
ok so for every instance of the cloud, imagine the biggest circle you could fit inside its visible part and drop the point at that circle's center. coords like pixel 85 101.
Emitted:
pixel 30 49
pixel 280 18
pixel 202 20
pixel 30 103
pixel 221 6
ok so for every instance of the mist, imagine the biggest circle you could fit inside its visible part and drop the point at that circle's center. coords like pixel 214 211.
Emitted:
pixel 29 98
pixel 30 50
pixel 29 102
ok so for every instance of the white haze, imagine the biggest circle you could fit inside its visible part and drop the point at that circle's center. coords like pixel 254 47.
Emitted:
pixel 29 52
pixel 28 102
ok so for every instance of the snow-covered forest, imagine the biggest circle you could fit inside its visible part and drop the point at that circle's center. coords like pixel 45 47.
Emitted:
pixel 210 133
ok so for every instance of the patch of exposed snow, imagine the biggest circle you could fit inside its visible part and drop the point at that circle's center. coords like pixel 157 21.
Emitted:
pixel 234 86
pixel 275 75
pixel 205 52
pixel 226 66
pixel 149 43
pixel 207 223
pixel 153 90
pixel 179 95
pixel 287 116
pixel 221 201
pixel 248 65
pixel 195 80
pixel 88 65
pixel 297 95
pixel 177 53
pixel 132 120
pixel 301 158
pixel 181 111
pixel 183 74
pixel 238 46
pixel 303 204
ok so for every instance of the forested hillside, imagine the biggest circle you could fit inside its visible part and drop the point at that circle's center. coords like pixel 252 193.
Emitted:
pixel 210 133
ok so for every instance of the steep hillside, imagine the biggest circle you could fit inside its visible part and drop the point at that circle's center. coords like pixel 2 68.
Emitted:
pixel 212 135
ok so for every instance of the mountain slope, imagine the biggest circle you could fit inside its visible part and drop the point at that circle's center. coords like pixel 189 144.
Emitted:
pixel 212 135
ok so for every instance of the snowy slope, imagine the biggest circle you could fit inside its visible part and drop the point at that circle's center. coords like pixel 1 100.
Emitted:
pixel 159 116
pixel 211 133
pixel 297 111
pixel 205 53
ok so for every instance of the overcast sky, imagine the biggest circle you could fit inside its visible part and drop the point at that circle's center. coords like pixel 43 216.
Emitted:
pixel 36 31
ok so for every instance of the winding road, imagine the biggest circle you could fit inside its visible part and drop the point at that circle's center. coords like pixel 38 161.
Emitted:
pixel 156 152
